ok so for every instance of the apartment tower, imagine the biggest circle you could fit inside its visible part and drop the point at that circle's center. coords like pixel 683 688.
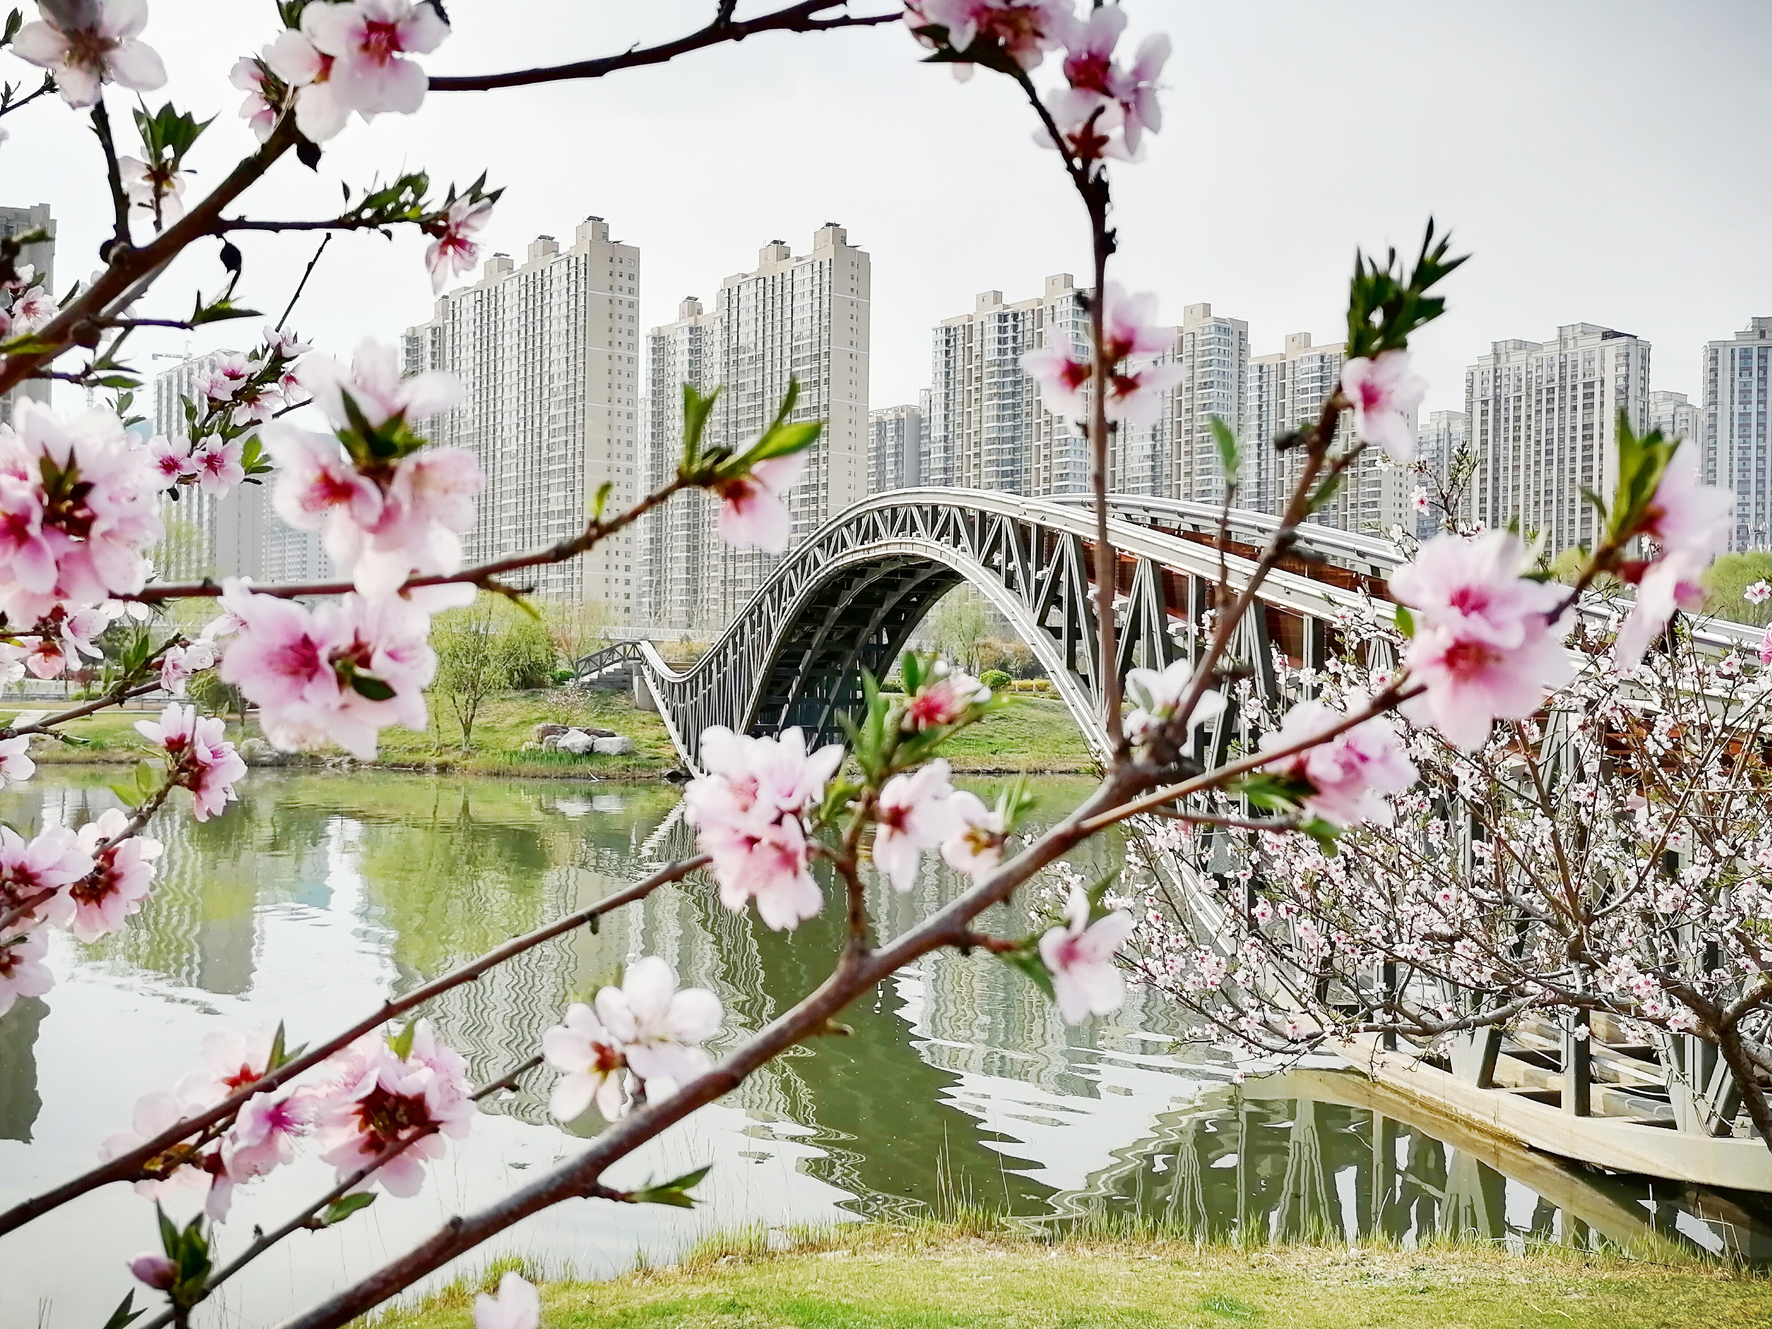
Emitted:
pixel 1733 420
pixel 40 255
pixel 1214 354
pixel 895 448
pixel 1543 421
pixel 549 358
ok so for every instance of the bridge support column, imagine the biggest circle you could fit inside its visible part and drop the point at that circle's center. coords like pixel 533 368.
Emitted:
pixel 643 698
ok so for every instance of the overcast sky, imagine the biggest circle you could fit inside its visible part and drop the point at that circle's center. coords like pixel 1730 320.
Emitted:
pixel 1606 162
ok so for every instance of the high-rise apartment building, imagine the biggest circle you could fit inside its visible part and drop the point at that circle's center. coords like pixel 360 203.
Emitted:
pixel 895 442
pixel 676 536
pixel 1214 355
pixel 798 318
pixel 987 429
pixel 1736 445
pixel 549 358
pixel 1439 442
pixel 41 256
pixel 1544 425
pixel 236 535
pixel 1678 417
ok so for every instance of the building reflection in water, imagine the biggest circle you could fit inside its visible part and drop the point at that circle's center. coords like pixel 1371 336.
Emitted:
pixel 959 1081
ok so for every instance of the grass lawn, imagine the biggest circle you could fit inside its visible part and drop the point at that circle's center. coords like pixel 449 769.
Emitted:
pixel 883 1278
pixel 1032 733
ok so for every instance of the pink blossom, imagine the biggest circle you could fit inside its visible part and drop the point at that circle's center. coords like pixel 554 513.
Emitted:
pixel 1757 593
pixel 1061 369
pixel 198 756
pixel 377 1100
pixel 318 487
pixel 1673 582
pixel 1351 773
pixel 757 781
pixel 180 663
pixel 224 376
pixel 752 513
pixel 1765 650
pixel 248 75
pixel 35 873
pixel 89 44
pixel 1156 695
pixel 1418 498
pixel 219 465
pixel 912 815
pixel 95 491
pixel 310 671
pixel 230 1060
pixel 32 311
pixel 1080 958
pixel 768 863
pixel 366 39
pixel 170 458
pixel 1483 644
pixel 101 902
pixel 455 251
pixel 659 1029
pixel 264 1133
pixel 22 971
pixel 16 765
pixel 592 1065
pixel 974 845
pixel 946 698
pixel 154 1270
pixel 286 344
pixel 1385 395
pixel 517 1305
pixel 428 504
pixel 155 1113
pixel 320 107
pixel 1022 30
pixel 1136 90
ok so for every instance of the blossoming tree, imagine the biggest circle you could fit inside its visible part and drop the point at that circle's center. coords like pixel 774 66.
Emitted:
pixel 778 825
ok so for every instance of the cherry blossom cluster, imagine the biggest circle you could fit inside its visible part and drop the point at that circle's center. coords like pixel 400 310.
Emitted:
pixel 197 756
pixel 1135 351
pixel 88 45
pixel 642 1038
pixel 234 394
pixel 87 881
pixel 78 512
pixel 25 304
pixel 384 1105
pixel 1689 523
pixel 340 58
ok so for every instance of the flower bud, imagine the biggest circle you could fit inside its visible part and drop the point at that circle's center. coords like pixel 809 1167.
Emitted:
pixel 155 1270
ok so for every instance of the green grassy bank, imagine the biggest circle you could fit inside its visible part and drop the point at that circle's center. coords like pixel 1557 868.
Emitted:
pixel 935 1276
pixel 1031 733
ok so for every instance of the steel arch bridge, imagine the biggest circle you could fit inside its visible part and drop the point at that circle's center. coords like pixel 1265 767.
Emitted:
pixel 848 598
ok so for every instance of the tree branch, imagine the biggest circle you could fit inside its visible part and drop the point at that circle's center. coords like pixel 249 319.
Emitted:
pixel 801 17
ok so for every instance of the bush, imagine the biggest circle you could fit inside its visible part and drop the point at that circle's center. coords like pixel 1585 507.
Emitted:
pixel 995 679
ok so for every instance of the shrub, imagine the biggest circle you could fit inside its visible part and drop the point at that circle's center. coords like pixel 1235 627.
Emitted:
pixel 994 679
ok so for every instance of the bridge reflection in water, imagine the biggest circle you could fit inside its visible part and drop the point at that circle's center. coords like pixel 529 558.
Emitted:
pixel 317 894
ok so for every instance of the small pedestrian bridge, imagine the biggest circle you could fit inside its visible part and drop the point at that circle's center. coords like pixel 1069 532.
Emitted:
pixel 848 598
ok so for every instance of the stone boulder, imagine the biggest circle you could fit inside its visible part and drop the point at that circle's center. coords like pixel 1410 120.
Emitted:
pixel 613 746
pixel 548 730
pixel 577 742
pixel 257 752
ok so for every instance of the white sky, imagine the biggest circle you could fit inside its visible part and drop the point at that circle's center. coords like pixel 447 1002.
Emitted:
pixel 1606 160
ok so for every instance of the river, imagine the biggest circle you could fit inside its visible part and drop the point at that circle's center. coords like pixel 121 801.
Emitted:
pixel 319 894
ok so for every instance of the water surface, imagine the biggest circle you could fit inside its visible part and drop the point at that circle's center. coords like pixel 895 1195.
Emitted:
pixel 320 894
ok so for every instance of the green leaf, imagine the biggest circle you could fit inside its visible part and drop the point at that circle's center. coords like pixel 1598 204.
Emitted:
pixel 342 1208
pixel 125 1314
pixel 1030 964
pixel 1228 460
pixel 368 685
pixel 674 1192
pixel 696 410
pixel 784 440
pixel 1275 793
pixel 128 793
pixel 401 1043
pixel 1405 621
pixel 278 1056
pixel 1325 833
pixel 170 1241
pixel 601 501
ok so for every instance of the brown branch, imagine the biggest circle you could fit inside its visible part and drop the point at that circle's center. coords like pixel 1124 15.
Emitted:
pixel 484 576
pixel 122 1166
pixel 801 17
